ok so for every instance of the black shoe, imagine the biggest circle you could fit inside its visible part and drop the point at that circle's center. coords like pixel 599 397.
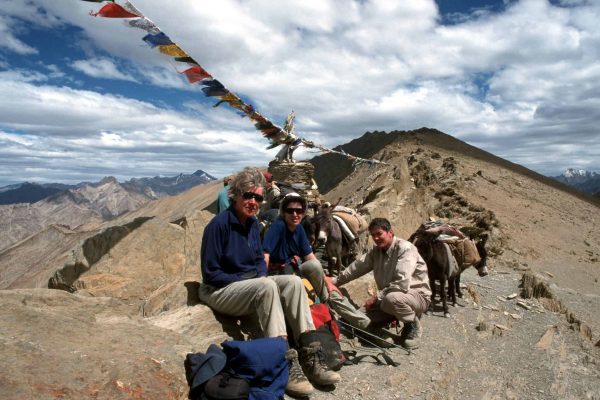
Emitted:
pixel 409 339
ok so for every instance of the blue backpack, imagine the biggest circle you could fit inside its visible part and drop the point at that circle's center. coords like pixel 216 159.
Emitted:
pixel 262 362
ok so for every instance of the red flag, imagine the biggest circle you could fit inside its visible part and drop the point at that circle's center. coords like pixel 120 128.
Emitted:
pixel 196 73
pixel 113 10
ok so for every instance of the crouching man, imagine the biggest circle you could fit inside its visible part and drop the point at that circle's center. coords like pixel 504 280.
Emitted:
pixel 235 282
pixel 401 277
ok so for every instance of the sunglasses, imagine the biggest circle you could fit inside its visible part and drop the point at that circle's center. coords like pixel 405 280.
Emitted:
pixel 252 195
pixel 294 210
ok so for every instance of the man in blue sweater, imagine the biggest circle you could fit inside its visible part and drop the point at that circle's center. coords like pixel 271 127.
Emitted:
pixel 235 282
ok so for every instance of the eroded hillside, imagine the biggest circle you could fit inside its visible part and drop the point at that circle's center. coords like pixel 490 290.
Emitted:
pixel 133 314
pixel 532 226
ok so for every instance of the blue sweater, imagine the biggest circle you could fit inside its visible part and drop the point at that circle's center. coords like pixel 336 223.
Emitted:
pixel 283 244
pixel 230 251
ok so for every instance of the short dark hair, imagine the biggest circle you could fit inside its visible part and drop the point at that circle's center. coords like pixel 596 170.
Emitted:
pixel 293 198
pixel 382 223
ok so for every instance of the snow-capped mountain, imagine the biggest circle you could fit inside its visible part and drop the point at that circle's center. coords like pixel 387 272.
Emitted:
pixel 170 185
pixel 581 179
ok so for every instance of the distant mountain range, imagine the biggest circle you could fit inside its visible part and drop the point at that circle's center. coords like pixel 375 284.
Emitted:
pixel 30 208
pixel 170 185
pixel 153 188
pixel 582 180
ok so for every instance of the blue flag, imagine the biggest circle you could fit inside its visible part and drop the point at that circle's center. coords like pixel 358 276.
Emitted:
pixel 159 39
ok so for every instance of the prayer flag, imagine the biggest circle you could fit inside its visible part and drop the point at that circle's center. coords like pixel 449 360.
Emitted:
pixel 263 125
pixel 258 118
pixel 172 50
pixel 230 98
pixel 212 87
pixel 213 83
pixel 268 132
pixel 212 92
pixel 113 10
pixel 238 105
pixel 188 60
pixel 157 39
pixel 131 8
pixel 196 74
pixel 143 24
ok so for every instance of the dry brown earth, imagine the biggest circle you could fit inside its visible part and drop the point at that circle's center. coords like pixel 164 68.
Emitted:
pixel 104 347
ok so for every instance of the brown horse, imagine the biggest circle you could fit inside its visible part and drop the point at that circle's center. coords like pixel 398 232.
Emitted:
pixel 438 267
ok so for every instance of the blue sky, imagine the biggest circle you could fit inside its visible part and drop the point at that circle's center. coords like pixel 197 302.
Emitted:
pixel 84 97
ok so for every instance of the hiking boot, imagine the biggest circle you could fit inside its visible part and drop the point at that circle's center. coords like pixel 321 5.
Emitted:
pixel 411 334
pixel 312 359
pixel 298 385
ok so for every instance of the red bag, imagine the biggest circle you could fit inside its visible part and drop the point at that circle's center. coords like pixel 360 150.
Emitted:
pixel 321 315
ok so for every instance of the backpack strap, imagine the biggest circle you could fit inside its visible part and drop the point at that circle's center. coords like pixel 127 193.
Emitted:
pixel 381 358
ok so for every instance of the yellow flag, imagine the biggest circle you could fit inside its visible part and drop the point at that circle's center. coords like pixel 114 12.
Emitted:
pixel 229 97
pixel 172 50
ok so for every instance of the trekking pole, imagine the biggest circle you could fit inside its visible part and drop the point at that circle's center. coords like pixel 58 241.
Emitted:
pixel 351 329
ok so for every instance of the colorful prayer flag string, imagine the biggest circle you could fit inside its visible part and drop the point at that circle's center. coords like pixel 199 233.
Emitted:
pixel 212 87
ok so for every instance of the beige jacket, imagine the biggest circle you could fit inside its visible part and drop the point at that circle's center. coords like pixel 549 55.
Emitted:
pixel 396 269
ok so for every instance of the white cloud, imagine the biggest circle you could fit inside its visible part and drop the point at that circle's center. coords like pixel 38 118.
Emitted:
pixel 9 41
pixel 498 80
pixel 81 133
pixel 101 68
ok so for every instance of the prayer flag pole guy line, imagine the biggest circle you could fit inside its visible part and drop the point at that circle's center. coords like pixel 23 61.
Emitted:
pixel 155 38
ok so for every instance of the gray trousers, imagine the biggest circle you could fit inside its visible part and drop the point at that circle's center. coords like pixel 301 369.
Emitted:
pixel 404 306
pixel 348 312
pixel 273 299
pixel 313 272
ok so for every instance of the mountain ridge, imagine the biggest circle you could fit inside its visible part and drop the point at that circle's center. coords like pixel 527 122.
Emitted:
pixel 582 180
pixel 134 312
pixel 330 169
pixel 157 186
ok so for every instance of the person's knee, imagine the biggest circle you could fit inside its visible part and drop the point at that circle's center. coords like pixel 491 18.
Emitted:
pixel 267 289
pixel 296 282
pixel 311 266
pixel 392 302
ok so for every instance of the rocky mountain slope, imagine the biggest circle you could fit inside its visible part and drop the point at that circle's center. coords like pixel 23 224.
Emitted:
pixel 27 193
pixel 88 204
pixel 133 314
pixel 33 261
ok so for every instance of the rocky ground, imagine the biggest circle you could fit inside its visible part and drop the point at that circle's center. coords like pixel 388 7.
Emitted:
pixel 125 331
pixel 491 347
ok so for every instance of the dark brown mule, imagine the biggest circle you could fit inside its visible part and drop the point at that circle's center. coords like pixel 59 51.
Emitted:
pixel 327 232
pixel 434 254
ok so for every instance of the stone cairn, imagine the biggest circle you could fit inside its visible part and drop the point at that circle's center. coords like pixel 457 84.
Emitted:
pixel 299 175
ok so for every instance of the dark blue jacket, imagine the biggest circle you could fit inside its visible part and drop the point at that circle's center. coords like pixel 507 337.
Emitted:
pixel 230 251
pixel 283 244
